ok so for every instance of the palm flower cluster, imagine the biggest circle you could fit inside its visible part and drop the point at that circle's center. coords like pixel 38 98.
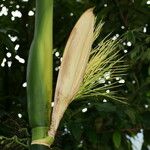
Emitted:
pixel 85 69
pixel 105 64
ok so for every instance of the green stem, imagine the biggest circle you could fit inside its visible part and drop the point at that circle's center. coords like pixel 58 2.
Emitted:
pixel 39 76
pixel 44 20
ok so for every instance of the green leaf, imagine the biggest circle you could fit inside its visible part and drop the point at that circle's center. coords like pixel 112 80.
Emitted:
pixel 149 70
pixel 117 139
pixel 131 37
pixel 106 107
pixel 76 130
pixel 131 115
pixel 147 40
pixel 146 55
pixel 1 55
pixel 92 136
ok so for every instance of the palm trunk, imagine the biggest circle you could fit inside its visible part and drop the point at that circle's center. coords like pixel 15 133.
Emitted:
pixel 39 76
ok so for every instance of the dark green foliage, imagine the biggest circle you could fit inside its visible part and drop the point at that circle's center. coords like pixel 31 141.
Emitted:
pixel 103 126
pixel 117 139
pixel 39 147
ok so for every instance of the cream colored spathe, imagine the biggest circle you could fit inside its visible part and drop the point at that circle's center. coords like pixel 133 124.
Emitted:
pixel 74 62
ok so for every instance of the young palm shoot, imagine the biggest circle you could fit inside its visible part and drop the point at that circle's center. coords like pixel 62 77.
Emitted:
pixel 83 68
pixel 39 76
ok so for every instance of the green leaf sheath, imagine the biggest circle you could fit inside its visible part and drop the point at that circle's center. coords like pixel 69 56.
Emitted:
pixel 39 71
